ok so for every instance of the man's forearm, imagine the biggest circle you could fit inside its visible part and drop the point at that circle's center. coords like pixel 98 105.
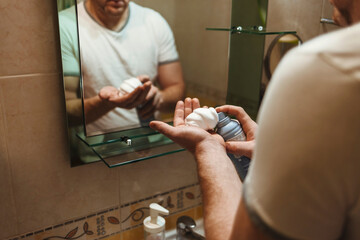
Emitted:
pixel 170 96
pixel 74 112
pixel 95 107
pixel 221 190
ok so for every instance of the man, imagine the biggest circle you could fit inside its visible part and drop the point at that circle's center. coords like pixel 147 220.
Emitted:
pixel 303 182
pixel 120 40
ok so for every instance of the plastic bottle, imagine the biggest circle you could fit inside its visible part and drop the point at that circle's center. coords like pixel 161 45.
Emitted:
pixel 231 130
pixel 154 225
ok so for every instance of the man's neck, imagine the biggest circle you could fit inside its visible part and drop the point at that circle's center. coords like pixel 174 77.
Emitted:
pixel 354 12
pixel 112 22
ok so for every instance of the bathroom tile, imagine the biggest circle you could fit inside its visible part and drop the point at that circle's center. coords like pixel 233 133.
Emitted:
pixel 136 233
pixel 47 190
pixel 327 9
pixel 199 212
pixel 166 9
pixel 204 55
pixel 134 214
pixel 29 42
pixel 302 16
pixel 98 225
pixel 7 206
pixel 34 94
pixel 155 176
pixel 86 229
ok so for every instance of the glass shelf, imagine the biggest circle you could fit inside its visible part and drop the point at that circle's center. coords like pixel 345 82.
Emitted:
pixel 116 149
pixel 117 154
pixel 121 136
pixel 256 30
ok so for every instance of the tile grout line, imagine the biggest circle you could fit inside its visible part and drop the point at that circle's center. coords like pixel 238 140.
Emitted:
pixel 30 75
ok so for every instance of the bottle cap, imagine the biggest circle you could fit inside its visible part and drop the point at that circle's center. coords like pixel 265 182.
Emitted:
pixel 154 223
pixel 223 120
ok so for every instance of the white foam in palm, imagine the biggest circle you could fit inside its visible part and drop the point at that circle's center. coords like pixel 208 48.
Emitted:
pixel 205 118
pixel 129 85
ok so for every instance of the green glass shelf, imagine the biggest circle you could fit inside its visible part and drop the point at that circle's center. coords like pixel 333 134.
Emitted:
pixel 256 30
pixel 118 153
pixel 121 136
pixel 125 147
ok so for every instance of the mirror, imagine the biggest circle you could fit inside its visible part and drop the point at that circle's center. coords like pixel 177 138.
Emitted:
pixel 124 45
pixel 203 56
pixel 276 51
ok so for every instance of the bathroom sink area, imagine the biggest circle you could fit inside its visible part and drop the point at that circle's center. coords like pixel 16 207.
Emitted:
pixel 197 232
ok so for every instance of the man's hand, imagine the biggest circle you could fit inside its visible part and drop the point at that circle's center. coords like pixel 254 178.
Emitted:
pixel 151 102
pixel 249 126
pixel 127 101
pixel 193 139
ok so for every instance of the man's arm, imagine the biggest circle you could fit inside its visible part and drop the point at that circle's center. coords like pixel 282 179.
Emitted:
pixel 225 215
pixel 171 81
pixel 221 190
pixel 73 100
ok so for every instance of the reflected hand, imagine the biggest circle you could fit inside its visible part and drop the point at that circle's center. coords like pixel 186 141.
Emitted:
pixel 151 102
pixel 192 138
pixel 249 126
pixel 127 101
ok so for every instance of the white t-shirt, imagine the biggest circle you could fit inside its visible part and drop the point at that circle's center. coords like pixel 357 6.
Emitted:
pixel 69 42
pixel 304 181
pixel 109 57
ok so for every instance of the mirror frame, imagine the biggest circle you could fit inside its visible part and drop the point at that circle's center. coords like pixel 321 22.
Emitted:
pixel 270 49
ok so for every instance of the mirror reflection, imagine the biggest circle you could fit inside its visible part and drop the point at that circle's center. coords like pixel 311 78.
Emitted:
pixel 129 65
pixel 155 47
pixel 276 51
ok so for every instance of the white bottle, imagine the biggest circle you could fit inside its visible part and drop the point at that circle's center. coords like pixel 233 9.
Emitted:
pixel 154 225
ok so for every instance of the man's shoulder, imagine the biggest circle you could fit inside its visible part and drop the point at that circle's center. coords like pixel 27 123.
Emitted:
pixel 68 14
pixel 339 49
pixel 340 41
pixel 139 10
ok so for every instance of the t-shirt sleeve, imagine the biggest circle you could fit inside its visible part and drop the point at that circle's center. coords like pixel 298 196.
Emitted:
pixel 301 180
pixel 69 42
pixel 165 40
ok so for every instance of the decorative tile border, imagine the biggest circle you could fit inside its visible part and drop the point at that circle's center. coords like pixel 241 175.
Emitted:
pixel 107 223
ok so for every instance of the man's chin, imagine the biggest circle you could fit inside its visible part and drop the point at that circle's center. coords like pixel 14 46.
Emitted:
pixel 115 11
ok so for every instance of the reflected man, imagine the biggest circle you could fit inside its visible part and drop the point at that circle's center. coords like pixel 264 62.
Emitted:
pixel 120 40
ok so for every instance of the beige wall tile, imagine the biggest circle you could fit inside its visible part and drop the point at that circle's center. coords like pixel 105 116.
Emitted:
pixel 29 39
pixel 166 9
pixel 302 16
pixel 154 176
pixel 46 190
pixel 204 54
pixel 7 204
